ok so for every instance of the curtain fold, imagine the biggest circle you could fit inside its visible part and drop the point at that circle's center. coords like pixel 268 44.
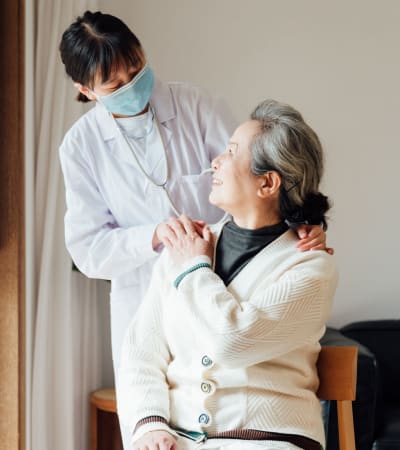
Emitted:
pixel 71 322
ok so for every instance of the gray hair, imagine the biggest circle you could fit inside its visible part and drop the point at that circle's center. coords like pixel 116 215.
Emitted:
pixel 288 145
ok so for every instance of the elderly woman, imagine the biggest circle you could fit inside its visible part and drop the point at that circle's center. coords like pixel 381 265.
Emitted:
pixel 223 351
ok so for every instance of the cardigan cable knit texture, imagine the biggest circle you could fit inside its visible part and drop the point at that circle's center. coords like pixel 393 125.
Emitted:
pixel 213 358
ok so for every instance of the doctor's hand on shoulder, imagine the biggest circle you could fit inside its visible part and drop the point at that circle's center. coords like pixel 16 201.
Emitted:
pixel 312 237
pixel 186 239
pixel 156 440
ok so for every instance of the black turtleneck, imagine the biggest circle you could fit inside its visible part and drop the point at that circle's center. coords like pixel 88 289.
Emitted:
pixel 237 246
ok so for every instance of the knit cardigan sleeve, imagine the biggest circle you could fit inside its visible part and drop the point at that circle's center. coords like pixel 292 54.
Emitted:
pixel 278 317
pixel 142 389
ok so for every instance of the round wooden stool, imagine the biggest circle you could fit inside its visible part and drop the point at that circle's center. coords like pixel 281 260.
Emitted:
pixel 103 400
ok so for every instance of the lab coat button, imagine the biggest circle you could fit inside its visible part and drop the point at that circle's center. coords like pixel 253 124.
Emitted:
pixel 206 361
pixel 204 418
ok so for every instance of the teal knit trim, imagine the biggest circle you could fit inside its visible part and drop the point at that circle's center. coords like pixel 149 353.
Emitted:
pixel 180 277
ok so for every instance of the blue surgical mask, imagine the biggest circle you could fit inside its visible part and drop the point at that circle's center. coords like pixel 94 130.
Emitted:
pixel 131 98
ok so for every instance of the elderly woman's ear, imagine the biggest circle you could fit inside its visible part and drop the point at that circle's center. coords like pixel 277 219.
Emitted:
pixel 270 182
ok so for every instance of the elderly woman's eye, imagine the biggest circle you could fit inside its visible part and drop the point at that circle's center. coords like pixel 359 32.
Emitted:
pixel 232 149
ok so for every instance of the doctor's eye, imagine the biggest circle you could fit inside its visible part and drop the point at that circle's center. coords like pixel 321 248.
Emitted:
pixel 133 74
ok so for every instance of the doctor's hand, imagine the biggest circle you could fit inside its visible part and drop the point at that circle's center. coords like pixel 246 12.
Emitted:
pixel 156 440
pixel 312 237
pixel 187 239
pixel 163 232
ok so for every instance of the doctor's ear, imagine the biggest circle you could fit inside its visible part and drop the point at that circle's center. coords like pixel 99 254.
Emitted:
pixel 84 93
pixel 270 182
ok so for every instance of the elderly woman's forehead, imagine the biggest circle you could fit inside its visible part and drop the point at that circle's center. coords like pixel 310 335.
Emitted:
pixel 249 128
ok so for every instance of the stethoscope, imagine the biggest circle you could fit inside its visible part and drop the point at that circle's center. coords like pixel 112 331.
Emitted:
pixel 160 185
pixel 163 184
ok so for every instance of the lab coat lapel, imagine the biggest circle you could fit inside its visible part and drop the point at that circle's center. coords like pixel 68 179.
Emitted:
pixel 162 102
pixel 164 110
pixel 155 153
pixel 110 134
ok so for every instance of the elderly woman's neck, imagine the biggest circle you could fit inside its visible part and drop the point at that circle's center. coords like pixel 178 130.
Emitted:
pixel 256 220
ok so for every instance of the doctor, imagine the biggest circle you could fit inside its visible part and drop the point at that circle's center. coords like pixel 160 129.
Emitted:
pixel 134 160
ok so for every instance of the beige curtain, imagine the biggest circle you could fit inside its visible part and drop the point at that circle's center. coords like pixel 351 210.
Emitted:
pixel 71 354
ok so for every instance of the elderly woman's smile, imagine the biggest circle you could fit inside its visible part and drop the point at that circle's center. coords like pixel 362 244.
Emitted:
pixel 235 188
pixel 216 181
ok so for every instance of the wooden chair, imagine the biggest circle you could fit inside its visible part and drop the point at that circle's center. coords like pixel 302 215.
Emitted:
pixel 104 400
pixel 337 370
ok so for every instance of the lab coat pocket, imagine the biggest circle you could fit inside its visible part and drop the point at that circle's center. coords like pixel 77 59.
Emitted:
pixel 190 193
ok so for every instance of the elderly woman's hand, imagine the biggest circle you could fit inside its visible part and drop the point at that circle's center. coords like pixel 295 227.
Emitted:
pixel 156 440
pixel 186 239
pixel 312 237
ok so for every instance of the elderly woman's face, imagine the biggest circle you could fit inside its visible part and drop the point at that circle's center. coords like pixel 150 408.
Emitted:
pixel 234 186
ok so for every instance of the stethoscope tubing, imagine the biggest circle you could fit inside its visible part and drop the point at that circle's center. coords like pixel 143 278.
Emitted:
pixel 163 184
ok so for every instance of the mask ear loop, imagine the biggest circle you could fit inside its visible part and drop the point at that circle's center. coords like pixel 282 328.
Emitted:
pixel 98 99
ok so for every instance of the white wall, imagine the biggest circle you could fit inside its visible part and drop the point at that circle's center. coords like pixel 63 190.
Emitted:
pixel 339 64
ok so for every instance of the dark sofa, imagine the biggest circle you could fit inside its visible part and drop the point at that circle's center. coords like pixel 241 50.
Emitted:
pixel 376 410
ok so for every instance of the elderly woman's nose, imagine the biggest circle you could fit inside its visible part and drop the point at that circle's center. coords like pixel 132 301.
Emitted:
pixel 215 163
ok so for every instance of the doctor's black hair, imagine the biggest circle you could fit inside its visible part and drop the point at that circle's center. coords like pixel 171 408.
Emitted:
pixel 96 44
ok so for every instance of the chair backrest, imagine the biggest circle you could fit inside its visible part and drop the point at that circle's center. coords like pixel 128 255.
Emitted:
pixel 337 371
pixel 381 338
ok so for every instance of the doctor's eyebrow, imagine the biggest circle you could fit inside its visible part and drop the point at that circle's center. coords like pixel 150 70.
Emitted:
pixel 115 79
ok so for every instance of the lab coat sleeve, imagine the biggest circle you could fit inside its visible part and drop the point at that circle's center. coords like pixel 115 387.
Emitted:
pixel 99 247
pixel 142 388
pixel 277 319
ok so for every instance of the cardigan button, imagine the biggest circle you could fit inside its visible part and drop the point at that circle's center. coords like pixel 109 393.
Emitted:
pixel 206 387
pixel 204 418
pixel 206 361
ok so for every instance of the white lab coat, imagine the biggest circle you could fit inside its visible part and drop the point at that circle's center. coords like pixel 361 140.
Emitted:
pixel 112 210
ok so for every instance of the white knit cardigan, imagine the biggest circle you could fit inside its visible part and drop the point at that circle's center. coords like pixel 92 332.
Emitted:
pixel 212 358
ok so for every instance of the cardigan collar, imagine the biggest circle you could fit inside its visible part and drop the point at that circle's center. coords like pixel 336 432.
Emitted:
pixel 240 286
